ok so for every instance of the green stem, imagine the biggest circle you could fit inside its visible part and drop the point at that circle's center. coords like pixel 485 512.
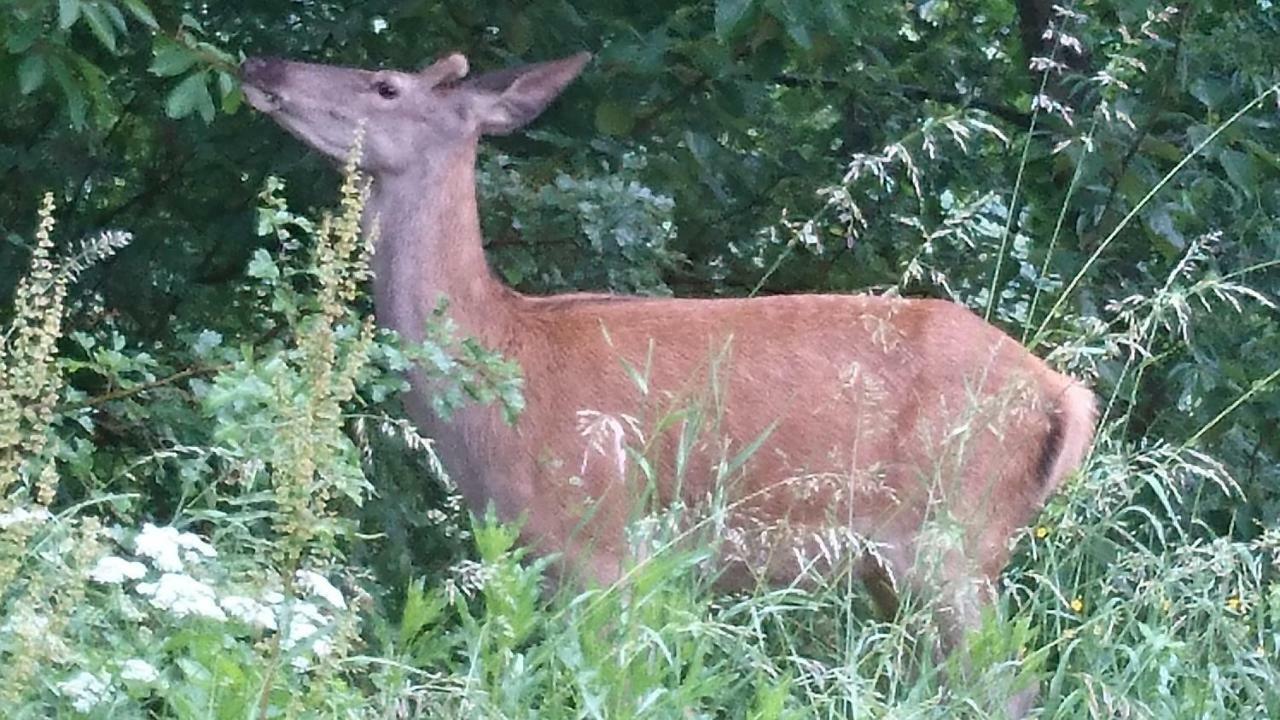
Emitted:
pixel 1258 386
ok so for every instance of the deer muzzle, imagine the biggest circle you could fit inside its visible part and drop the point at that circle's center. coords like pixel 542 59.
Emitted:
pixel 262 79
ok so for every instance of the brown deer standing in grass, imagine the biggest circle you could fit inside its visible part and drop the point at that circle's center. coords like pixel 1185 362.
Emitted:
pixel 869 415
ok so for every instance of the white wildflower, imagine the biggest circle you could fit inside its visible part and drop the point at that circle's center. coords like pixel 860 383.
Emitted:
pixel 20 515
pixel 1065 12
pixel 249 611
pixel 85 690
pixel 164 545
pixel 313 583
pixel 129 609
pixel 183 595
pixel 305 622
pixel 207 340
pixel 1046 64
pixel 115 570
pixel 137 670
pixel 25 622
pixel 1048 104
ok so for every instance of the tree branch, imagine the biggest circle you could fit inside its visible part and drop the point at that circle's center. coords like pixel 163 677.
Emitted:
pixel 122 393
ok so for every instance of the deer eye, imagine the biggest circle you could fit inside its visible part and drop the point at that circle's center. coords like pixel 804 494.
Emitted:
pixel 386 90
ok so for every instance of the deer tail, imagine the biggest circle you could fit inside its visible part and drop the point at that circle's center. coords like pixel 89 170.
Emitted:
pixel 1070 435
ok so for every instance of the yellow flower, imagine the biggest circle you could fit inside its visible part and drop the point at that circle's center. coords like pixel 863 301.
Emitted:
pixel 1077 606
pixel 1234 604
pixel 1042 532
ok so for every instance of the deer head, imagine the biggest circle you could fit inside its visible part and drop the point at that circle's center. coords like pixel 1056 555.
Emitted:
pixel 408 118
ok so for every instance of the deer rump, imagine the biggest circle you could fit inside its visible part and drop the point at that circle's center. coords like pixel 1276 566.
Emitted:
pixel 818 416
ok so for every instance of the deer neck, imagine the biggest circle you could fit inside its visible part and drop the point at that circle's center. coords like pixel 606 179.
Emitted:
pixel 428 248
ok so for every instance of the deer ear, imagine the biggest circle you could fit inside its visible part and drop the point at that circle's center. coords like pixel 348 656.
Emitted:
pixel 450 68
pixel 513 97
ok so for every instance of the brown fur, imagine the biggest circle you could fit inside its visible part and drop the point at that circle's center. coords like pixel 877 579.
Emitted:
pixel 878 415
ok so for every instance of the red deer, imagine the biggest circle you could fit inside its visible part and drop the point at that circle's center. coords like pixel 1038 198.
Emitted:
pixel 867 415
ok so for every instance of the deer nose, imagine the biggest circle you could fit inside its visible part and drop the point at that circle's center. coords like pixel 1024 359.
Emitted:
pixel 263 72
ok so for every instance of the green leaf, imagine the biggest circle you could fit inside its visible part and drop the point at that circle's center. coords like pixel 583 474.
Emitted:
pixel 190 96
pixel 94 82
pixel 229 90
pixel 794 15
pixel 262 266
pixel 20 36
pixel 1210 90
pixel 1262 154
pixel 172 60
pixel 190 21
pixel 226 84
pixel 68 13
pixel 31 73
pixel 76 103
pixel 1241 168
pixel 117 17
pixel 100 25
pixel 731 16
pixel 1161 222
pixel 836 15
pixel 204 105
pixel 614 118
pixel 140 11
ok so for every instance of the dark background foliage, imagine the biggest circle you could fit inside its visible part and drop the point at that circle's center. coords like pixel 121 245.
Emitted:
pixel 689 158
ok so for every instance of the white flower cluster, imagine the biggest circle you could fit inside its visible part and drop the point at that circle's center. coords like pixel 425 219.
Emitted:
pixel 164 571
pixel 183 596
pixel 169 551
pixel 21 515
pixel 87 690
pixel 168 548
pixel 139 671
pixel 112 570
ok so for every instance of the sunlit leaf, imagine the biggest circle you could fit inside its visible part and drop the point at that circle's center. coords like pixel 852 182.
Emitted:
pixel 731 15
pixel 172 60
pixel 140 11
pixel 100 25
pixel 31 73
pixel 795 17
pixel 68 13
pixel 116 17
pixel 190 96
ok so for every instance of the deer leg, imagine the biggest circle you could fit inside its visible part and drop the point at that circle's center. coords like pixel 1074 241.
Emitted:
pixel 962 600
